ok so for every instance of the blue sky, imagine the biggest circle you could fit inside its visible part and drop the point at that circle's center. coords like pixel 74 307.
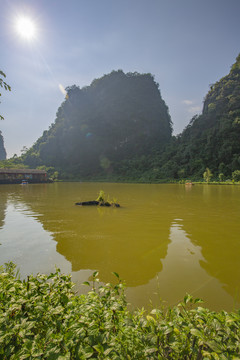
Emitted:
pixel 186 44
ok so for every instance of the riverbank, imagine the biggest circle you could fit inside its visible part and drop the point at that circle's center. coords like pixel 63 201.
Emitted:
pixel 160 181
pixel 43 318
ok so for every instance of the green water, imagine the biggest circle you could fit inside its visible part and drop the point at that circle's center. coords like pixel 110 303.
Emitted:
pixel 164 241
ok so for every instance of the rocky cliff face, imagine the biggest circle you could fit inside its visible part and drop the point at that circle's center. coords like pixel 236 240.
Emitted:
pixel 3 154
pixel 117 117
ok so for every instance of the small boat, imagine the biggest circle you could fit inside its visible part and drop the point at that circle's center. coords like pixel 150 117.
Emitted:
pixel 24 182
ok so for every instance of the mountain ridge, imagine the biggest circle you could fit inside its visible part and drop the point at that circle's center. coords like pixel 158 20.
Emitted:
pixel 115 117
pixel 119 128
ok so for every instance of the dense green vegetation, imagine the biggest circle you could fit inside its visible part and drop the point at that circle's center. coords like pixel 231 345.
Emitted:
pixel 211 140
pixel 119 129
pixel 42 318
pixel 97 126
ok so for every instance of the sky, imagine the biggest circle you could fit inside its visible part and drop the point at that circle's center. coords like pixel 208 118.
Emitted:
pixel 186 44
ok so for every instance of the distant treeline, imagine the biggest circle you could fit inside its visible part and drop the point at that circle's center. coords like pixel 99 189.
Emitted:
pixel 119 128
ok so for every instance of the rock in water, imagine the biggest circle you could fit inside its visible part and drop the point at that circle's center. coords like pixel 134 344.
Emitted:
pixel 95 202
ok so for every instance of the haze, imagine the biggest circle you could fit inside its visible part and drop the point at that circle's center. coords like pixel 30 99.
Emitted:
pixel 187 45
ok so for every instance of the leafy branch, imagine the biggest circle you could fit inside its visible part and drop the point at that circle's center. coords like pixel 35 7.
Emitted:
pixel 4 85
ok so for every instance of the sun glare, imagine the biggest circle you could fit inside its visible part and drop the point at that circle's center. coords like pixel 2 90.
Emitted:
pixel 26 28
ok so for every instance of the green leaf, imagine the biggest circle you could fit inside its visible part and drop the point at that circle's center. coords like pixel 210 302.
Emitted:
pixel 64 299
pixel 214 346
pixel 86 283
pixel 198 301
pixel 187 298
pixel 151 350
pixel 95 274
pixel 88 351
pixel 64 357
pixel 106 352
pixel 99 348
pixel 116 274
pixel 197 333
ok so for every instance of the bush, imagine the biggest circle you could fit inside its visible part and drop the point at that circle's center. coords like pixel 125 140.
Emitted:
pixel 221 177
pixel 207 175
pixel 42 318
pixel 236 175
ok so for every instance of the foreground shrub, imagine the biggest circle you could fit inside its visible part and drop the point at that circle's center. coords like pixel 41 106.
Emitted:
pixel 42 318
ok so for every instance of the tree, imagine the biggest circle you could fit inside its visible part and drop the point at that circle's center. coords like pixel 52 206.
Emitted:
pixel 24 150
pixel 4 85
pixel 236 175
pixel 221 177
pixel 207 175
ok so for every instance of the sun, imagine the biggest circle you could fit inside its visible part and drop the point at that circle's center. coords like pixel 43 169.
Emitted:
pixel 26 28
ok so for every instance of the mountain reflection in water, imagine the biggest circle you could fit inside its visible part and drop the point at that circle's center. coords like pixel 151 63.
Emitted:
pixel 164 241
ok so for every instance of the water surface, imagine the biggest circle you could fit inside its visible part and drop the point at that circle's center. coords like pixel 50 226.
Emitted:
pixel 164 241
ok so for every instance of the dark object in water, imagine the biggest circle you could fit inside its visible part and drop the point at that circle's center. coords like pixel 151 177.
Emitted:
pixel 95 202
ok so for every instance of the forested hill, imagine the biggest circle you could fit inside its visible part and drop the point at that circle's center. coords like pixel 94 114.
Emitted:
pixel 2 149
pixel 116 118
pixel 211 139
pixel 119 128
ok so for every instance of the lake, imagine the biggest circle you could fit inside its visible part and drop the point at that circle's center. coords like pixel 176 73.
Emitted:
pixel 166 240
